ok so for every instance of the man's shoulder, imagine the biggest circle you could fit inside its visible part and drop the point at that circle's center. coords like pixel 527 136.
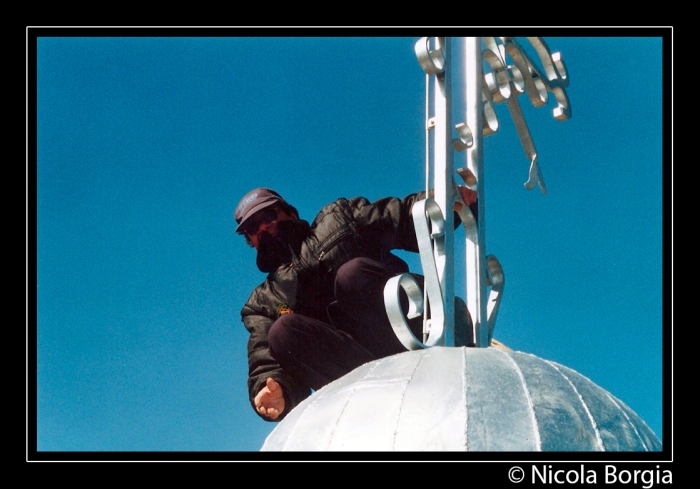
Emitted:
pixel 359 202
pixel 334 205
pixel 341 205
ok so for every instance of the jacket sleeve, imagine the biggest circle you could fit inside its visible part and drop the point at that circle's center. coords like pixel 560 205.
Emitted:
pixel 261 363
pixel 389 219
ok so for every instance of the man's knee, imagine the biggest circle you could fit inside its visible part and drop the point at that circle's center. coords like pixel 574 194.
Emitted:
pixel 352 269
pixel 282 337
pixel 360 275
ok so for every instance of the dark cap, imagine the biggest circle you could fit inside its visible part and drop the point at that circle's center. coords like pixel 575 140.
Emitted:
pixel 254 201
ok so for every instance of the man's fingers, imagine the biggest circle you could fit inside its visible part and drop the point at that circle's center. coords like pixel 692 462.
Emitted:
pixel 271 413
pixel 467 194
pixel 269 402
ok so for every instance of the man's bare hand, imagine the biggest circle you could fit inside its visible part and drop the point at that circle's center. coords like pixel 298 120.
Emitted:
pixel 270 400
pixel 468 196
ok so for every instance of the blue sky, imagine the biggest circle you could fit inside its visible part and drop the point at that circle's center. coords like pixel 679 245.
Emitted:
pixel 146 144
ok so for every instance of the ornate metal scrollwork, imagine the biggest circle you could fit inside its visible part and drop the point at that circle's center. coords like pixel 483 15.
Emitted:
pixel 432 62
pixel 513 73
pixel 507 82
pixel 429 224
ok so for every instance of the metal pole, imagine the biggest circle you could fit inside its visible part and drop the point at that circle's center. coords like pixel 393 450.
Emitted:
pixel 475 251
pixel 444 196
pixel 434 217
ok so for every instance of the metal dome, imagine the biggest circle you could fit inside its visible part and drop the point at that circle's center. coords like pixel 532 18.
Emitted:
pixel 462 399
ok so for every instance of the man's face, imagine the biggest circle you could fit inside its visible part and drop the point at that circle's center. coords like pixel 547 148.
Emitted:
pixel 265 221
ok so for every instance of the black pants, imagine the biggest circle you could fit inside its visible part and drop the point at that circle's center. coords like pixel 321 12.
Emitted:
pixel 318 352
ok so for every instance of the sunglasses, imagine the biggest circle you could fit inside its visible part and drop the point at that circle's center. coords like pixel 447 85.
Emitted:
pixel 267 216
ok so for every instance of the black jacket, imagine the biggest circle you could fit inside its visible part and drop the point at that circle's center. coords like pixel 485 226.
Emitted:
pixel 343 230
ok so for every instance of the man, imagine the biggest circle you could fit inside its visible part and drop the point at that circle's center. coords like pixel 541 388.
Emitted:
pixel 320 312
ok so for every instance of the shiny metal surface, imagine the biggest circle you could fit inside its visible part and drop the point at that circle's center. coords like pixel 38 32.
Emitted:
pixel 462 399
pixel 433 218
pixel 475 266
pixel 523 76
pixel 430 231
pixel 432 61
pixel 513 73
pixel 443 167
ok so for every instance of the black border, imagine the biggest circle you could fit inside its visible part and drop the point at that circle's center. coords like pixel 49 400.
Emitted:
pixel 496 461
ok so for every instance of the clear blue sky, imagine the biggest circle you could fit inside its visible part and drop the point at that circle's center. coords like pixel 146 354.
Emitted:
pixel 146 144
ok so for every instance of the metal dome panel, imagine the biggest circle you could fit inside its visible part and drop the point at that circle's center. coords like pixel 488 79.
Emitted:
pixel 462 399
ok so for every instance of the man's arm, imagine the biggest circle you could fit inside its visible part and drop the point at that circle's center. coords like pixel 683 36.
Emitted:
pixel 263 368
pixel 388 220
pixel 391 217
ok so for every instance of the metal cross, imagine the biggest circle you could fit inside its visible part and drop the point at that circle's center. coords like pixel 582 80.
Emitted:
pixel 513 73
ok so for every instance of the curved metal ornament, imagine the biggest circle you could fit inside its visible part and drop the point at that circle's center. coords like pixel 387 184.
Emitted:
pixel 471 227
pixel 495 276
pixel 393 308
pixel 432 62
pixel 514 73
pixel 497 280
pixel 429 225
pixel 507 82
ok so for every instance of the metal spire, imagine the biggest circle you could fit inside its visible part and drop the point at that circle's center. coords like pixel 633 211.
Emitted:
pixel 513 73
